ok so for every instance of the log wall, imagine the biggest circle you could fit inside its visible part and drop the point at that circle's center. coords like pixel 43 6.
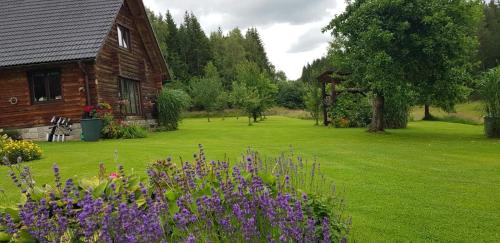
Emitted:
pixel 14 83
pixel 134 63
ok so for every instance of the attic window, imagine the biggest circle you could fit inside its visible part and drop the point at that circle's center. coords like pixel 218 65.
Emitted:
pixel 123 37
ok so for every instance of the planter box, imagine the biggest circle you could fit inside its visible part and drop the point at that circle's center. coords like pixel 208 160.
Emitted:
pixel 492 127
pixel 91 129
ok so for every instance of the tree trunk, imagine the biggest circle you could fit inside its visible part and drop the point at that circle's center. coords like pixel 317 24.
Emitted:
pixel 377 124
pixel 208 116
pixel 427 113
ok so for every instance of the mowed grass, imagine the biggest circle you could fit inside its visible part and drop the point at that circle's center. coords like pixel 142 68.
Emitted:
pixel 468 113
pixel 432 182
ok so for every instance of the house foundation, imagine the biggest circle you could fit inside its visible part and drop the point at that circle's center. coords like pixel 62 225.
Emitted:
pixel 40 133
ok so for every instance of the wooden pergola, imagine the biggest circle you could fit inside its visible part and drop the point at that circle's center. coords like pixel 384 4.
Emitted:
pixel 332 77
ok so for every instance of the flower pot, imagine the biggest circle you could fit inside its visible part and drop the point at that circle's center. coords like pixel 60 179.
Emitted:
pixel 91 129
pixel 492 127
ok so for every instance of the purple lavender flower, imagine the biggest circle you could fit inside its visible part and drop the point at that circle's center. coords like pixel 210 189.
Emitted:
pixel 191 239
pixel 57 176
pixel 326 230
pixel 7 220
pixel 216 202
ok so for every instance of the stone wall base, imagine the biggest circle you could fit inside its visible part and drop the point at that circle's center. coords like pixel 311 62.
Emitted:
pixel 40 133
pixel 150 124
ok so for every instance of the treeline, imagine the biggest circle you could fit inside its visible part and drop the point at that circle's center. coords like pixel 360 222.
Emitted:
pixel 222 71
pixel 489 36
pixel 188 50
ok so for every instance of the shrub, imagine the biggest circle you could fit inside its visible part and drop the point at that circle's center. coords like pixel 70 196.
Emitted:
pixel 116 129
pixel 200 200
pixel 170 104
pixel 351 110
pixel 3 140
pixel 396 112
pixel 112 129
pixel 490 92
pixel 397 108
pixel 314 101
pixel 133 131
pixel 16 151
pixel 291 95
pixel 12 133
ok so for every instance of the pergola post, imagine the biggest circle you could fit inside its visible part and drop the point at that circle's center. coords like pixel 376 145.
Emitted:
pixel 325 103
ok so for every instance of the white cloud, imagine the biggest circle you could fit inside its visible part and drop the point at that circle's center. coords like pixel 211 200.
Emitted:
pixel 290 29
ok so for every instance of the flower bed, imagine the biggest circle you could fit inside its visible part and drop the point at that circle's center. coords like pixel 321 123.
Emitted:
pixel 195 201
pixel 16 151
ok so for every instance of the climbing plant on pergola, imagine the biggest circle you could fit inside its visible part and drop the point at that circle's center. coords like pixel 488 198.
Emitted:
pixel 332 77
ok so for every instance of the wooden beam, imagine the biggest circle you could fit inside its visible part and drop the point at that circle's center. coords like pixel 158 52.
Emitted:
pixel 325 103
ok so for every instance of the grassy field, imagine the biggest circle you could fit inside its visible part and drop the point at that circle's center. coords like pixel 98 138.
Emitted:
pixel 468 113
pixel 434 181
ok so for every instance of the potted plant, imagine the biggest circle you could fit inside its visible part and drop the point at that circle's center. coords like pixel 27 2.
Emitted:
pixel 92 121
pixel 490 92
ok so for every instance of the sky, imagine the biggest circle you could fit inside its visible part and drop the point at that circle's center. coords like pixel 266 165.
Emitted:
pixel 290 29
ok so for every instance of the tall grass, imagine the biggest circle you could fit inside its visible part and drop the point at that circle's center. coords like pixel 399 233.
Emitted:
pixel 490 92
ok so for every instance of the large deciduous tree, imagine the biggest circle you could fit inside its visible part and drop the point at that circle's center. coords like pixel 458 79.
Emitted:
pixel 206 90
pixel 405 46
pixel 260 90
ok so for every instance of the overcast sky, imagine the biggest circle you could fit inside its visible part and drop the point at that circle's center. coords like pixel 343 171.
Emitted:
pixel 290 29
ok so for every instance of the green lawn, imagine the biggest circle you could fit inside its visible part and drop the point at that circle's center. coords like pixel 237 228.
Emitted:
pixel 434 181
pixel 469 113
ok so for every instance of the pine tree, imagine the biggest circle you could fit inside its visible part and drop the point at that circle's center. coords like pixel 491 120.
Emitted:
pixel 255 51
pixel 173 55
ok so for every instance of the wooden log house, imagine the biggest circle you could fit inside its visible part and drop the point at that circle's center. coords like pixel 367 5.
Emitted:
pixel 58 56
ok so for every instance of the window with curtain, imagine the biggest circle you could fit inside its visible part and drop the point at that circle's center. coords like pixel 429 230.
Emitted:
pixel 130 96
pixel 45 86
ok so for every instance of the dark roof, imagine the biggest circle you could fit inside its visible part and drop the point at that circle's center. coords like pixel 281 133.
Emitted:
pixel 42 31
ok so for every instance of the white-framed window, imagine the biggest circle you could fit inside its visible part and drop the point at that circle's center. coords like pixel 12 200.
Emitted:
pixel 123 37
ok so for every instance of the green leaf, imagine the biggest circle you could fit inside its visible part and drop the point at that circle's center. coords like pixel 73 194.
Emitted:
pixel 14 214
pixel 100 189
pixel 37 193
pixel 141 201
pixel 24 237
pixel 171 195
pixel 173 208
pixel 5 237
pixel 88 184
pixel 268 179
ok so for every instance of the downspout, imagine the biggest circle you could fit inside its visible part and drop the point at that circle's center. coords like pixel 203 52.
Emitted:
pixel 86 77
